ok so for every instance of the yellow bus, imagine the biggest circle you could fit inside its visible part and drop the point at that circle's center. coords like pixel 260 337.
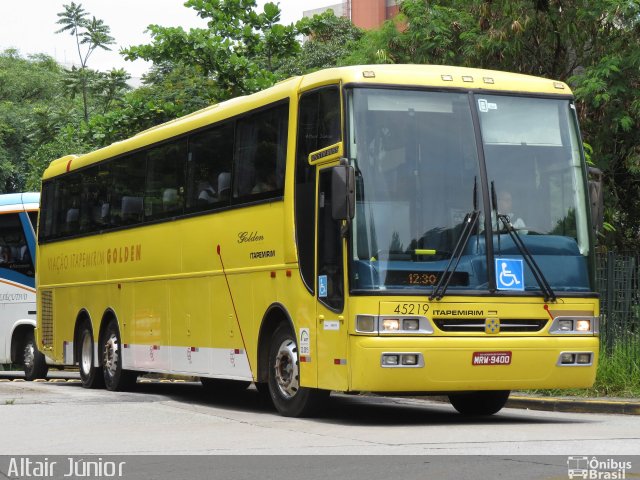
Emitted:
pixel 387 228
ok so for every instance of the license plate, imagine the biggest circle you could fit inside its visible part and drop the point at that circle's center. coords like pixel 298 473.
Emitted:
pixel 491 358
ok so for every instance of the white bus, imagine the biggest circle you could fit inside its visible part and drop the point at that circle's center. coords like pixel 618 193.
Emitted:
pixel 18 215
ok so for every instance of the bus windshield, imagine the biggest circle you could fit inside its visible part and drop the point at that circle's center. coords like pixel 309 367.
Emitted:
pixel 418 175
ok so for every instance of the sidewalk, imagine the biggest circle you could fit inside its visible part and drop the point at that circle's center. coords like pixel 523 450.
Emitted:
pixel 620 406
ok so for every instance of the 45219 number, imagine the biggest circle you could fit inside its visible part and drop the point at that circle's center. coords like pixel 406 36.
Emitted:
pixel 411 309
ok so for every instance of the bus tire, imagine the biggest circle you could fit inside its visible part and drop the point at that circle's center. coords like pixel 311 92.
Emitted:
pixel 115 378
pixel 289 398
pixel 479 403
pixel 33 360
pixel 90 376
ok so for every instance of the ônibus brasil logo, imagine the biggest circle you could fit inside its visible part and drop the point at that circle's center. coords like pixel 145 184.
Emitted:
pixel 594 468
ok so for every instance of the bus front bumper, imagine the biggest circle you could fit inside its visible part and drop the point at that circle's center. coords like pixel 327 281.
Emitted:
pixel 449 364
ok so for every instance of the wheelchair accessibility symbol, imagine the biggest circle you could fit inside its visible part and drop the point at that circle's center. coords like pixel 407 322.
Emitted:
pixel 322 286
pixel 509 274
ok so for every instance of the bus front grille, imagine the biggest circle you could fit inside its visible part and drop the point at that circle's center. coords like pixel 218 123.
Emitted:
pixel 477 325
pixel 46 325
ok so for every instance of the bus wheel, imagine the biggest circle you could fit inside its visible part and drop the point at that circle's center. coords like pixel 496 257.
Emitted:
pixel 115 378
pixel 90 376
pixel 289 398
pixel 479 403
pixel 33 359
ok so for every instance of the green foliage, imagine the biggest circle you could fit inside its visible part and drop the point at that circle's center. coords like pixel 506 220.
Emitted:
pixel 29 112
pixel 329 39
pixel 241 50
pixel 618 375
pixel 594 46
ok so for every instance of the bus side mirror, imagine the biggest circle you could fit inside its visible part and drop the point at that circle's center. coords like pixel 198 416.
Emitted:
pixel 343 192
pixel 596 198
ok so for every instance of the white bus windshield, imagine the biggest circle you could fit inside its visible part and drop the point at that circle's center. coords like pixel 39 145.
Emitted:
pixel 417 161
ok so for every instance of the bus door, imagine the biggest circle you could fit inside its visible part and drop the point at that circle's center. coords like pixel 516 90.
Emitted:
pixel 330 314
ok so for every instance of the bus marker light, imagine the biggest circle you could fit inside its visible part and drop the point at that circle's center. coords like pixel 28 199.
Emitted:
pixel 273 274
pixel 447 78
pixel 488 80
pixel 467 79
pixel 288 273
pixel 390 360
pixel 567 358
pixel 583 358
pixel 369 74
pixel 558 85
pixel 409 359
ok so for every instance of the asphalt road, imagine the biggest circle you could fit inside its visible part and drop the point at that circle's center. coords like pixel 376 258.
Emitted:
pixel 62 418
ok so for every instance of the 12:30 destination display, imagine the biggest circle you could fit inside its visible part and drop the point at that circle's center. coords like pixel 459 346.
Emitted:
pixel 427 279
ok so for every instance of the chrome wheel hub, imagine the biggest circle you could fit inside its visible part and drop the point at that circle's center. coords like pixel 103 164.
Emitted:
pixel 29 356
pixel 86 354
pixel 286 369
pixel 111 356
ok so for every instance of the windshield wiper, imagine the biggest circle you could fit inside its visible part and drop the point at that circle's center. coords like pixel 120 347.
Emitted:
pixel 533 265
pixel 469 223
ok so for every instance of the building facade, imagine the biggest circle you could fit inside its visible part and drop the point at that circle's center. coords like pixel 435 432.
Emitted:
pixel 367 14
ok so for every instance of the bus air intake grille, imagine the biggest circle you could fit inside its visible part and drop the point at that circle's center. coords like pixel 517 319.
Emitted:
pixel 46 307
pixel 477 325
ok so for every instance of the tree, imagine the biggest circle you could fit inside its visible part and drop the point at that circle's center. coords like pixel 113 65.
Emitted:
pixel 241 50
pixel 30 112
pixel 90 33
pixel 329 40
pixel 594 46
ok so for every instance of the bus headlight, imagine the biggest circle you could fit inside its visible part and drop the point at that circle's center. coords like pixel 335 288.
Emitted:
pixel 565 325
pixel 583 325
pixel 410 324
pixel 366 323
pixel 574 326
pixel 390 324
pixel 393 325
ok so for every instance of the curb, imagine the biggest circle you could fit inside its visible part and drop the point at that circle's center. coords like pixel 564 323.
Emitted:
pixel 575 405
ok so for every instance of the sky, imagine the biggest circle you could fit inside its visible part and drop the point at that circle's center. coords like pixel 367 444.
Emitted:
pixel 30 25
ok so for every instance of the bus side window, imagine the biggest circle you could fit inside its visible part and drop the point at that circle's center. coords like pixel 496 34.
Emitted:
pixel 164 186
pixel 208 168
pixel 14 253
pixel 260 154
pixel 318 127
pixel 127 181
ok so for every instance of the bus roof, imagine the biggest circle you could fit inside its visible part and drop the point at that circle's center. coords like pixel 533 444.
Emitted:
pixel 28 200
pixel 438 76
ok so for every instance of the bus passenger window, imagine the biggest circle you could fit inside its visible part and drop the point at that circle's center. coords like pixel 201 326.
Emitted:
pixel 164 184
pixel 260 154
pixel 208 166
pixel 128 182
pixel 14 253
